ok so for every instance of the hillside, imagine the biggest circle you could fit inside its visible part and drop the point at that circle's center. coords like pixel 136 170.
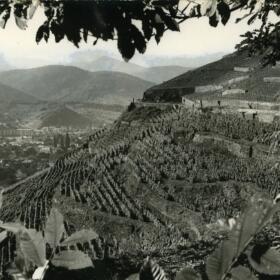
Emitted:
pixel 221 72
pixel 64 117
pixel 71 84
pixel 8 94
pixel 155 183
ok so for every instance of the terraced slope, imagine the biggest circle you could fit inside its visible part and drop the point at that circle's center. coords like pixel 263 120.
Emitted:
pixel 150 185
pixel 219 73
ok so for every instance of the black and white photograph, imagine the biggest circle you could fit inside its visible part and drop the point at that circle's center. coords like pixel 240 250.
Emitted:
pixel 140 140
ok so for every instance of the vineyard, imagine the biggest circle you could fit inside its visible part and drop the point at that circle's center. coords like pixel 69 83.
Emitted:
pixel 148 188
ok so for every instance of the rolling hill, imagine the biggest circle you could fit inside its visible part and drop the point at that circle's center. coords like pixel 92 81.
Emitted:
pixel 64 117
pixel 71 84
pixel 8 94
pixel 222 72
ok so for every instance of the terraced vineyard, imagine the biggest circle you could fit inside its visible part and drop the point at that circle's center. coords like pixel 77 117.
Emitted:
pixel 148 186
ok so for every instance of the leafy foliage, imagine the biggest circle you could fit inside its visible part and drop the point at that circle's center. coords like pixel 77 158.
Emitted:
pixel 32 245
pixel 81 236
pixel 54 228
pixel 72 260
pixel 115 20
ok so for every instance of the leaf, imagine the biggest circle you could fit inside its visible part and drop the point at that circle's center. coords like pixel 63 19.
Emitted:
pixel 72 260
pixel 147 27
pixel 208 7
pixel 269 262
pixel 5 15
pixel 40 33
pixel 252 19
pixel 3 235
pixel 187 274
pixel 33 246
pixel 242 273
pixel 57 31
pixel 224 11
pixel 219 261
pixel 1 198
pixel 85 34
pixel 139 40
pixel 12 227
pixel 81 236
pixel 54 228
pixel 168 20
pixel 255 217
pixel 21 23
pixel 151 270
pixel 253 220
pixel 134 276
pixel 125 45
pixel 159 31
pixel 33 7
pixel 40 272
pixel 214 20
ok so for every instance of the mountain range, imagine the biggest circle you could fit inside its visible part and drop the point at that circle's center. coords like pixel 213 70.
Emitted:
pixel 89 78
pixel 71 84
pixel 155 74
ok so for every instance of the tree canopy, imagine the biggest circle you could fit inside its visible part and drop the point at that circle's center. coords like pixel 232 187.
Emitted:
pixel 133 23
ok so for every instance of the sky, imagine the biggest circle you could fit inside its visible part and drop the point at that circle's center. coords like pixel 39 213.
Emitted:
pixel 196 38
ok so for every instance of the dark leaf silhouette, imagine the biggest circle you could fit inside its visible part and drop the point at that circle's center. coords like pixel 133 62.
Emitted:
pixel 112 20
pixel 224 12
pixel 213 20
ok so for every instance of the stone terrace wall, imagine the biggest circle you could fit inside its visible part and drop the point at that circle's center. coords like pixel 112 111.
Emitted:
pixel 237 103
pixel 243 69
pixel 167 94
pixel 271 79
